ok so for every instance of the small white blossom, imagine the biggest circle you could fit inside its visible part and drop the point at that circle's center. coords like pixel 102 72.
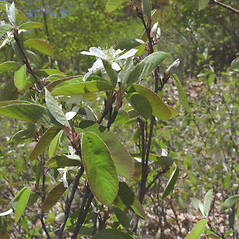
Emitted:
pixel 112 55
pixel 63 172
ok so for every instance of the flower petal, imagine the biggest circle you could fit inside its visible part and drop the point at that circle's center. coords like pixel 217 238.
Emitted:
pixel 127 54
pixel 115 66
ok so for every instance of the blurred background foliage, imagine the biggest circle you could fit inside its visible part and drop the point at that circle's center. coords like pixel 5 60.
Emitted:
pixel 205 143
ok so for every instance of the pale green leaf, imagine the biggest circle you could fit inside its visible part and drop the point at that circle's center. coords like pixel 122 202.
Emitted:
pixel 8 66
pixel 207 202
pixel 20 78
pixel 40 46
pixel 197 230
pixel 55 109
pixel 114 4
pixel 159 108
pixel 100 168
pixel 31 25
pixel 228 203
pixel 22 203
pixel 146 66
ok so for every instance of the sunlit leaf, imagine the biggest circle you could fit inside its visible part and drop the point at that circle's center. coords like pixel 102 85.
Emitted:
pixel 171 182
pixel 55 109
pixel 159 108
pixel 146 66
pixel 197 230
pixel 122 160
pixel 40 46
pixel 228 203
pixel 8 66
pixel 207 202
pixel 100 168
pixel 25 111
pixel 31 25
pixel 235 64
pixel 20 78
pixel 22 203
pixel 63 161
pixel 54 144
pixel 198 205
pixel 81 88
pixel 201 4
pixel 43 142
pixel 114 4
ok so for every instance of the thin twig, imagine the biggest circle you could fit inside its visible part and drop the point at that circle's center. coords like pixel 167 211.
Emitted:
pixel 224 6
pixel 69 202
pixel 83 211
pixel 25 60
pixel 155 178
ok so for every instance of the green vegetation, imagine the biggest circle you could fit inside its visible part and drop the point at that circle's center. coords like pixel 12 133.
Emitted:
pixel 119 119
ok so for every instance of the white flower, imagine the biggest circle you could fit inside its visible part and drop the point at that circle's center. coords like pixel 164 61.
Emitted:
pixel 63 172
pixel 112 55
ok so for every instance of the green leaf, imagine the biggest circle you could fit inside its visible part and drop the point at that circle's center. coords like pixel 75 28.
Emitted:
pixel 9 92
pixel 4 29
pixel 81 88
pixel 8 66
pixel 26 111
pixel 53 196
pixel 207 202
pixel 235 64
pixel 182 94
pixel 43 142
pixel 54 144
pixel 129 44
pixel 147 7
pixel 171 182
pixel 128 198
pixel 22 203
pixel 11 14
pixel 122 160
pixel 146 66
pixel 31 25
pixel 201 4
pixel 229 202
pixel 100 168
pixel 114 4
pixel 111 72
pixel 197 230
pixel 40 46
pixel 55 109
pixel 122 217
pixel 63 161
pixel 140 104
pixel 20 78
pixel 198 205
pixel 159 108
